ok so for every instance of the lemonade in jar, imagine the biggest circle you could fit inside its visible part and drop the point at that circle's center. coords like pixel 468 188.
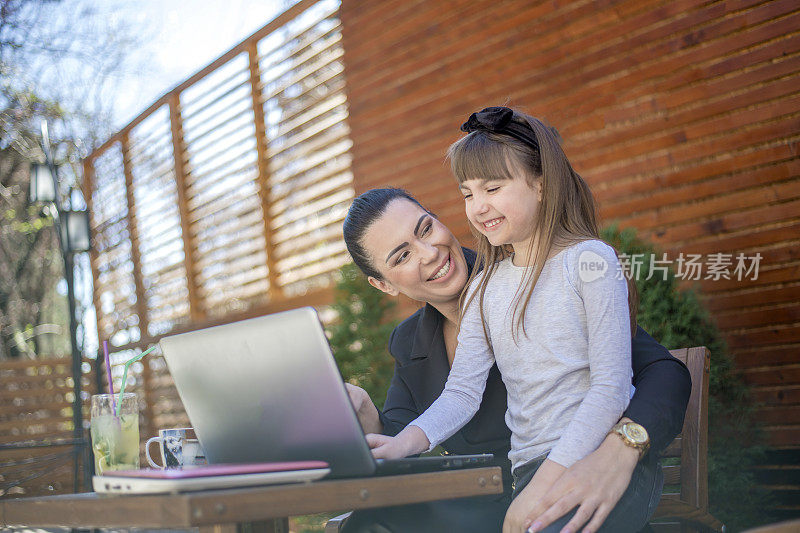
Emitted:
pixel 115 439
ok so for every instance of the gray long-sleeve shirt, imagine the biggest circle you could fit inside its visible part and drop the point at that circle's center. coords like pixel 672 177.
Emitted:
pixel 568 377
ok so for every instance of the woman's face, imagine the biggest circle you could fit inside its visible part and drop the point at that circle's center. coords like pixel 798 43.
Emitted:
pixel 416 254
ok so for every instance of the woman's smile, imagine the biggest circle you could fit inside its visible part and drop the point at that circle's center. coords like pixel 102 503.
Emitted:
pixel 444 271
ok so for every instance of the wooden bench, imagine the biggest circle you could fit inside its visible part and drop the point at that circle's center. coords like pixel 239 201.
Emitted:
pixel 684 509
pixel 689 504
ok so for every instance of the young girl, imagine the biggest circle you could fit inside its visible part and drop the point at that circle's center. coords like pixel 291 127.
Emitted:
pixel 550 307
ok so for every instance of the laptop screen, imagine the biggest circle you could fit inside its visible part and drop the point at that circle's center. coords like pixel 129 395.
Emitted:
pixel 268 389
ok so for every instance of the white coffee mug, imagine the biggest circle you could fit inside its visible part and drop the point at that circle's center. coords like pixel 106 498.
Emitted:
pixel 178 447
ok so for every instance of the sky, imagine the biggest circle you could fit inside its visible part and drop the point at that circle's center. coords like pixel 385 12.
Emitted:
pixel 182 37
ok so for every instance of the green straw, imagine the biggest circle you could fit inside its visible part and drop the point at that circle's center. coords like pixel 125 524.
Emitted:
pixel 125 374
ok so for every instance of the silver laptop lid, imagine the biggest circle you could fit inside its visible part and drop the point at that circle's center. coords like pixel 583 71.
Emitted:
pixel 268 389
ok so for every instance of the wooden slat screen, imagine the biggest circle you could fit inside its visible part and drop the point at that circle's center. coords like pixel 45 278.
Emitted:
pixel 308 143
pixel 224 200
pixel 225 215
pixel 228 194
pixel 158 229
pixel 114 287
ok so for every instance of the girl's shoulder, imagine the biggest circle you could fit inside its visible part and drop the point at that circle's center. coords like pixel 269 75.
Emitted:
pixel 583 258
pixel 590 245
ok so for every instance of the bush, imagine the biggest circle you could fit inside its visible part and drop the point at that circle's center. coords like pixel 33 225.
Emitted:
pixel 360 334
pixel 677 319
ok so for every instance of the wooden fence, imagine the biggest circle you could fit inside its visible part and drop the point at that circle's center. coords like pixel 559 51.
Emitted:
pixel 36 400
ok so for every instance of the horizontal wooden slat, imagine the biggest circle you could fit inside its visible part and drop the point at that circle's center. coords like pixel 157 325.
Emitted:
pixel 226 127
pixel 311 155
pixel 205 143
pixel 779 415
pixel 212 97
pixel 203 169
pixel 37 403
pixel 760 317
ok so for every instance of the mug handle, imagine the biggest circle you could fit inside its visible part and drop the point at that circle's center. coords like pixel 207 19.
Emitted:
pixel 147 451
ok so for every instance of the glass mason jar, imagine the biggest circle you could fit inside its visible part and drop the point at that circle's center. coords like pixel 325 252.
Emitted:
pixel 115 436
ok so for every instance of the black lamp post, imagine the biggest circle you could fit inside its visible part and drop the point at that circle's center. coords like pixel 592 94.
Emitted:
pixel 72 229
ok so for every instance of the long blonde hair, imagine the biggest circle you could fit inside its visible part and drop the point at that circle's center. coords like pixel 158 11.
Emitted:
pixel 567 214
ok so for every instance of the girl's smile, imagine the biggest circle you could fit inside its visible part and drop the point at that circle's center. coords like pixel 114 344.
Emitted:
pixel 493 223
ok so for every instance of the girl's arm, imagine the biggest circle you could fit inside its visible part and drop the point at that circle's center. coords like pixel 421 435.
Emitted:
pixel 605 301
pixel 457 404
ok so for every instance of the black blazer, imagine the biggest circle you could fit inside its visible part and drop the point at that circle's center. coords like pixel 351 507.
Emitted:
pixel 662 386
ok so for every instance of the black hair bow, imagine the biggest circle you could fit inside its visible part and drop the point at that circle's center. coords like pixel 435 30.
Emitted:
pixel 488 119
pixel 499 120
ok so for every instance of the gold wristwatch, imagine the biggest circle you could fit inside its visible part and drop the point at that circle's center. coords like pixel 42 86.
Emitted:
pixel 633 435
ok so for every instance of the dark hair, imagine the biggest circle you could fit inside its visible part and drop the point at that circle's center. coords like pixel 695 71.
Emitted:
pixel 363 212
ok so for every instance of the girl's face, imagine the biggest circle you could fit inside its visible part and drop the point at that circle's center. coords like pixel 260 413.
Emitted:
pixel 416 254
pixel 504 210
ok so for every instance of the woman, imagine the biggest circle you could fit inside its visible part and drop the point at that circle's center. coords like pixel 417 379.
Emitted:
pixel 402 248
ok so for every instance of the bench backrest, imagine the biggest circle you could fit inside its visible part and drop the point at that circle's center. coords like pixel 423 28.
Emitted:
pixel 692 444
pixel 689 502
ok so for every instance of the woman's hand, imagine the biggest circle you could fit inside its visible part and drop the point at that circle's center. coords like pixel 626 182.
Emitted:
pixel 518 515
pixel 366 411
pixel 412 440
pixel 594 485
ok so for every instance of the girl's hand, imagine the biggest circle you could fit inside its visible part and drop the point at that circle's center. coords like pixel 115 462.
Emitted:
pixel 412 440
pixel 365 410
pixel 517 517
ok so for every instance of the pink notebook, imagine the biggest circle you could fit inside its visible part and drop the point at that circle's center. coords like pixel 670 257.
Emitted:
pixel 218 470
pixel 206 477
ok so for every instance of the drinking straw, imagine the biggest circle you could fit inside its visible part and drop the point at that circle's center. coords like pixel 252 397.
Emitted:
pixel 128 363
pixel 108 375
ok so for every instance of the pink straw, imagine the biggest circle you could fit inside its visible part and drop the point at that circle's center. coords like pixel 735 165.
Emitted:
pixel 108 375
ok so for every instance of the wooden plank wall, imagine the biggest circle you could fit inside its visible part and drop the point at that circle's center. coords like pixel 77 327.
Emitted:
pixel 683 115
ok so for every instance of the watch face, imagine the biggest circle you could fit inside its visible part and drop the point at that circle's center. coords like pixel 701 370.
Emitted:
pixel 636 433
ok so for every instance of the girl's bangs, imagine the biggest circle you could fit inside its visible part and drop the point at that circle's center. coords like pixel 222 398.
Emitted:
pixel 476 156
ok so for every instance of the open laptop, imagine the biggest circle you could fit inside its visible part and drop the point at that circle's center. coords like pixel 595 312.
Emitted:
pixel 268 389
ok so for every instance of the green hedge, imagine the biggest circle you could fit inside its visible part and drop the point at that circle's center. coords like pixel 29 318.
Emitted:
pixel 360 333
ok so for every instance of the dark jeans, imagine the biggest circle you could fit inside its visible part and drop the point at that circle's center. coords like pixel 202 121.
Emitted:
pixel 485 514
pixel 632 512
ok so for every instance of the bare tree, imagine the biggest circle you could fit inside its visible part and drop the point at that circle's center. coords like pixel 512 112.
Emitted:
pixel 60 60
pixel 30 267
